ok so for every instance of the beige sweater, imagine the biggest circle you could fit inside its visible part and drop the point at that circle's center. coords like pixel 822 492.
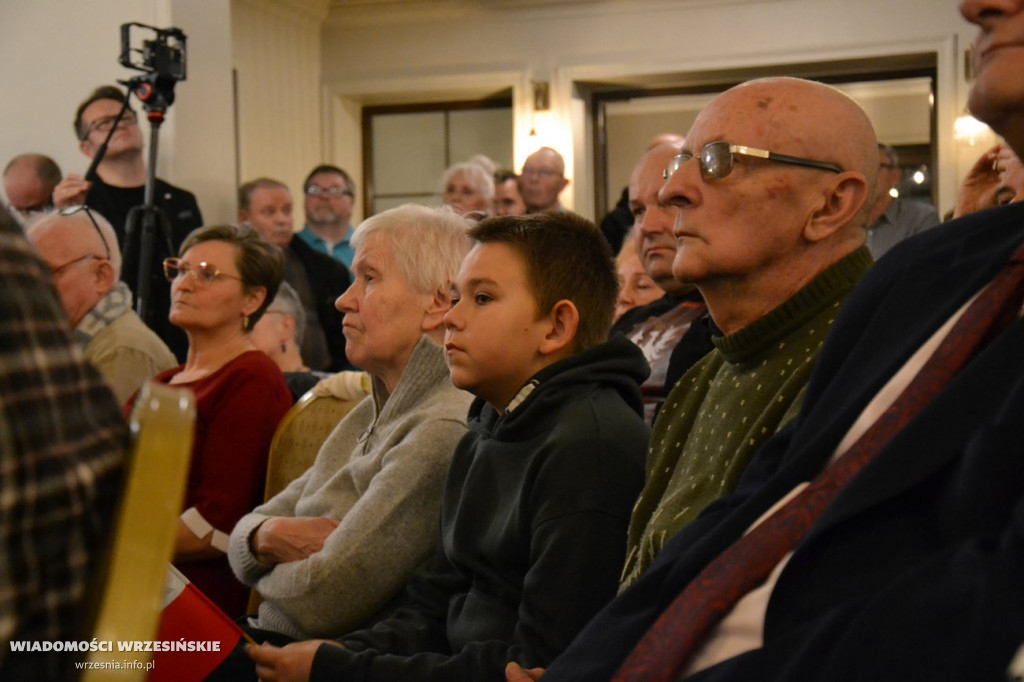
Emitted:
pixel 380 474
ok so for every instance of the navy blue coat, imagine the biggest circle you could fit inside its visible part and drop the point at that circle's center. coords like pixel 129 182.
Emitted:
pixel 916 571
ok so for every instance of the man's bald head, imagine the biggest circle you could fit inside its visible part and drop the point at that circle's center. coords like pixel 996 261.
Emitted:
pixel 802 118
pixel 665 138
pixel 29 180
pixel 72 248
pixel 752 229
pixel 542 179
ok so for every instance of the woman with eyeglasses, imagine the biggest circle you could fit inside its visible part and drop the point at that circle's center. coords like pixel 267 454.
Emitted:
pixel 220 286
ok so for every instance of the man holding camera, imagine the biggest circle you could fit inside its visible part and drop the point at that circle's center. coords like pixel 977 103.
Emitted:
pixel 117 186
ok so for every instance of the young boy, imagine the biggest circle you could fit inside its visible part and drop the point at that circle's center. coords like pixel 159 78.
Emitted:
pixel 539 494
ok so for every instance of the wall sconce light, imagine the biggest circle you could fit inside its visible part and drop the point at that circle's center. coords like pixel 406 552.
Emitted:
pixel 968 129
pixel 541 99
pixel 541 104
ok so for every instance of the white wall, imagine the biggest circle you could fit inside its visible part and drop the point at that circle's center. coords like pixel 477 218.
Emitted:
pixel 276 53
pixel 200 144
pixel 375 52
pixel 53 53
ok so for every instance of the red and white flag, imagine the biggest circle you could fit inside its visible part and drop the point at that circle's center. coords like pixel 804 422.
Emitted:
pixel 191 621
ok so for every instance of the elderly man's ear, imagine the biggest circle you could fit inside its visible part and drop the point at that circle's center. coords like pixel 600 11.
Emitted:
pixel 106 278
pixel 840 203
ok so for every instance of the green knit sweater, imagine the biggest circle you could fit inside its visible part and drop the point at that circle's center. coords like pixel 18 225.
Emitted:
pixel 727 405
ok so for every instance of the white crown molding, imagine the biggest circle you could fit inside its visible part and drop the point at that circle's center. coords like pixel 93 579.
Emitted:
pixel 350 13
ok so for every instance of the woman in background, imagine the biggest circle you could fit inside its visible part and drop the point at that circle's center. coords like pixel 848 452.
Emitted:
pixel 636 288
pixel 468 189
pixel 279 334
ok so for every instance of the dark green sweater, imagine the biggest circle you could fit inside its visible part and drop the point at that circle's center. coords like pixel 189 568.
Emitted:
pixel 727 405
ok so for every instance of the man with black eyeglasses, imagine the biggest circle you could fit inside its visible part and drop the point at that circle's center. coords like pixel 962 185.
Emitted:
pixel 329 199
pixel 118 185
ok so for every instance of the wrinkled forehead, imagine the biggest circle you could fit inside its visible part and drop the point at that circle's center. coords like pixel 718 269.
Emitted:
pixel 375 249
pixel 649 174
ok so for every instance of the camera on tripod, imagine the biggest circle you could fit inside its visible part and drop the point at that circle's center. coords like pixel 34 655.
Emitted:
pixel 161 59
pixel 162 55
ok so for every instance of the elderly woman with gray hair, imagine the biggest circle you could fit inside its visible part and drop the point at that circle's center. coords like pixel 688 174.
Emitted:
pixel 469 189
pixel 279 335
pixel 331 549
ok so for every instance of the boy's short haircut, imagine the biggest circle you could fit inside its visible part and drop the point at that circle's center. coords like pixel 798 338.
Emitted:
pixel 566 257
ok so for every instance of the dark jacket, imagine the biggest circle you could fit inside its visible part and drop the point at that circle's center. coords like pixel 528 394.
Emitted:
pixel 328 279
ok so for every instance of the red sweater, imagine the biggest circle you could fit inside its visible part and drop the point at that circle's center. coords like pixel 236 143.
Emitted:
pixel 238 408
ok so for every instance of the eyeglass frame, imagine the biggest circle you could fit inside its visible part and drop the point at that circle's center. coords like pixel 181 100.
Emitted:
pixel 104 123
pixel 56 272
pixel 194 270
pixel 541 173
pixel 312 190
pixel 741 150
pixel 72 210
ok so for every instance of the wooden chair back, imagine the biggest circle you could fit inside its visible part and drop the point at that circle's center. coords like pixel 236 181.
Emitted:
pixel 135 571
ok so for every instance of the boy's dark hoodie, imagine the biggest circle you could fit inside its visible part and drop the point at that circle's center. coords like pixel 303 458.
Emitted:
pixel 533 530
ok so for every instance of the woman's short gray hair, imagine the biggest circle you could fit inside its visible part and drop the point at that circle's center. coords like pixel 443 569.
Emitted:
pixel 428 244
pixel 475 175
pixel 288 302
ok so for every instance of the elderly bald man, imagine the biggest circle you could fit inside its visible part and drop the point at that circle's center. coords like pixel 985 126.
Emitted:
pixel 29 180
pixel 542 180
pixel 774 244
pixel 773 190
pixel 82 252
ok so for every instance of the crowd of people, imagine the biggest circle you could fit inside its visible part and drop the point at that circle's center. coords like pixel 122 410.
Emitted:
pixel 764 432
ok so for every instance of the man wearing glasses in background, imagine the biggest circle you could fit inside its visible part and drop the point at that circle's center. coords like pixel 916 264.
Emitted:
pixel 118 186
pixel 542 180
pixel 81 250
pixel 29 181
pixel 330 197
